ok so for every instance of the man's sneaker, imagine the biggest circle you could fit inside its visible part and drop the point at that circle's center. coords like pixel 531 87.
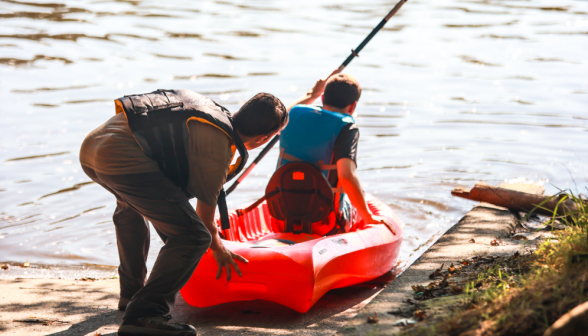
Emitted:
pixel 122 303
pixel 158 325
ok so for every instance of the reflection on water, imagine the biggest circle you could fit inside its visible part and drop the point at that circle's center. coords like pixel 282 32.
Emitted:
pixel 454 92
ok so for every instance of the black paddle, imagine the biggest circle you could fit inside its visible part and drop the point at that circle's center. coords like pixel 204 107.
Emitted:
pixel 354 53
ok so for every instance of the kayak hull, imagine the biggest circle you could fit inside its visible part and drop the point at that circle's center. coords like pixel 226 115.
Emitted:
pixel 295 276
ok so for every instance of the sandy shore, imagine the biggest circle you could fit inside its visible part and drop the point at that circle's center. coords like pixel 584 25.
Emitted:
pixel 59 307
pixel 88 307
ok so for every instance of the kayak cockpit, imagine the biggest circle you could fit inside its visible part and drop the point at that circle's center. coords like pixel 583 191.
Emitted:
pixel 258 227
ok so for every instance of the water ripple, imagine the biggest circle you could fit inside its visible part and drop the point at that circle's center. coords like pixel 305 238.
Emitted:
pixel 437 79
pixel 36 156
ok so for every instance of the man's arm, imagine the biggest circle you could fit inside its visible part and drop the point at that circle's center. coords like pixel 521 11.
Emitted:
pixel 316 91
pixel 347 173
pixel 209 158
pixel 223 256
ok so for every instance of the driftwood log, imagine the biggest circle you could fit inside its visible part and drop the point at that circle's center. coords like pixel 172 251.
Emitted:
pixel 516 200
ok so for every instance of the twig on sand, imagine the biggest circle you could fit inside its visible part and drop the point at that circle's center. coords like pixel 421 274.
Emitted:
pixel 42 321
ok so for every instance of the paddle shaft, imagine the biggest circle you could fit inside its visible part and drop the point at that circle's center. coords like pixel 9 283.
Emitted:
pixel 354 53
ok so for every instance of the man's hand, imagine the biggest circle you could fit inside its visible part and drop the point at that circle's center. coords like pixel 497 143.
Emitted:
pixel 225 258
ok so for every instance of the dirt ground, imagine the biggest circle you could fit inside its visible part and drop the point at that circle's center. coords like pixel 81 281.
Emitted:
pixel 74 307
pixel 485 230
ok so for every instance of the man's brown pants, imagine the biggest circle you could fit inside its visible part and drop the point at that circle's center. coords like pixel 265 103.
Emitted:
pixel 153 197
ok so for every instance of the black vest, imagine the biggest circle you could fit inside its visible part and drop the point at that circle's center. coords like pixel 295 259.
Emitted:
pixel 159 120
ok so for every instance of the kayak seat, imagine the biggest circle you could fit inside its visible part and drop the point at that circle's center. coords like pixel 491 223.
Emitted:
pixel 299 194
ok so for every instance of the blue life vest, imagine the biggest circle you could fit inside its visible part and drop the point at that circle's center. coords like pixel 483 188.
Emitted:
pixel 310 136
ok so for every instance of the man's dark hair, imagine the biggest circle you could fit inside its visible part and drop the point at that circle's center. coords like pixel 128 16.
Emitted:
pixel 341 91
pixel 263 114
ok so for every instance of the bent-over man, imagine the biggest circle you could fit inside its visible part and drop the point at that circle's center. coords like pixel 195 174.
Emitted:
pixel 159 150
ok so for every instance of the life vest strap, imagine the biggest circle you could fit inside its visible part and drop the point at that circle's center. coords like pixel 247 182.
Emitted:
pixel 223 210
pixel 338 190
pixel 242 212
pixel 320 165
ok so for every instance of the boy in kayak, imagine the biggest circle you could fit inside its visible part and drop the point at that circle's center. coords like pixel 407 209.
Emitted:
pixel 159 150
pixel 328 136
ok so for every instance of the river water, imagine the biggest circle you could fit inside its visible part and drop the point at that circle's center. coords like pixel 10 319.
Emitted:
pixel 454 92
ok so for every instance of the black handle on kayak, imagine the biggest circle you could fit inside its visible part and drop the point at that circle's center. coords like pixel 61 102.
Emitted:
pixel 254 163
pixel 354 53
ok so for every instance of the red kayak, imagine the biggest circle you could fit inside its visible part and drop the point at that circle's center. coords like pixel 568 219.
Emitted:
pixel 295 270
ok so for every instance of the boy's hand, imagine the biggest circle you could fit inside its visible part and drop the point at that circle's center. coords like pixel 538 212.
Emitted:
pixel 380 220
pixel 316 91
pixel 319 87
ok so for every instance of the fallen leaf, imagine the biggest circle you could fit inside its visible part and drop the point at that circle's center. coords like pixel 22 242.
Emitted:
pixel 472 240
pixel 418 288
pixel 451 268
pixel 6 267
pixel 419 315
pixel 373 319
pixel 428 294
pixel 456 289
pixel 465 262
pixel 494 243
pixel 444 283
pixel 88 279
pixel 437 272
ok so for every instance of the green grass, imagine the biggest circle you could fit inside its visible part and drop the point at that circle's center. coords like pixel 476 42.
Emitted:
pixel 525 295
